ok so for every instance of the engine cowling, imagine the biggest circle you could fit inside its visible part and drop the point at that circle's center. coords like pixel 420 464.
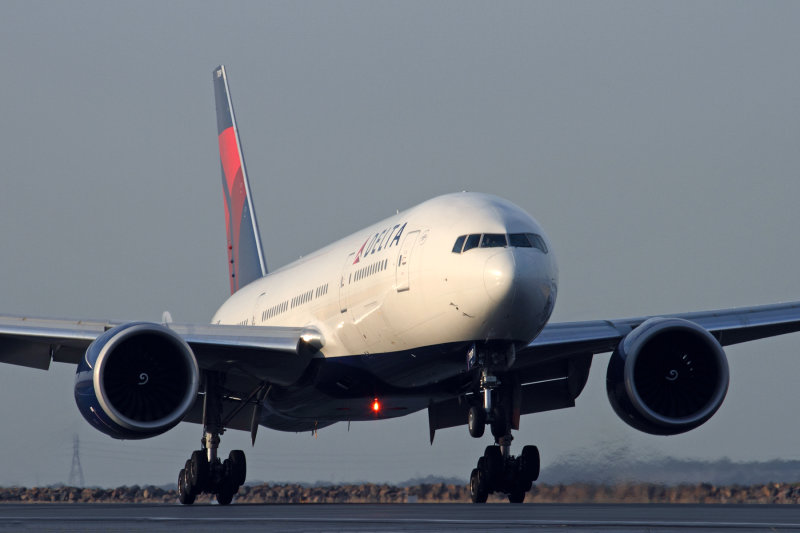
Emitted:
pixel 136 381
pixel 667 376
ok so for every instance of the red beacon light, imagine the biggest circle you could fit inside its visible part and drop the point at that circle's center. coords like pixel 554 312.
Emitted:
pixel 376 406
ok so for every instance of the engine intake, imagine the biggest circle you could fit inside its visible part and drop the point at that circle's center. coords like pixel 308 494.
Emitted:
pixel 667 376
pixel 136 381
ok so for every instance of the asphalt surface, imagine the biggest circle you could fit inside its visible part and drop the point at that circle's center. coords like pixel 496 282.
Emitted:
pixel 407 517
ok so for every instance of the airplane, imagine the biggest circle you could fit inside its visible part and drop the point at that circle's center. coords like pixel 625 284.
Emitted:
pixel 444 306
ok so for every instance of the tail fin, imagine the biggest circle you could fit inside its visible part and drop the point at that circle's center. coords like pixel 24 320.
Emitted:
pixel 245 255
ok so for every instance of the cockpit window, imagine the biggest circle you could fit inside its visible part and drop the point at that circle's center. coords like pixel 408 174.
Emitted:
pixel 519 240
pixel 527 240
pixel 472 241
pixel 499 240
pixel 459 244
pixel 537 241
pixel 493 240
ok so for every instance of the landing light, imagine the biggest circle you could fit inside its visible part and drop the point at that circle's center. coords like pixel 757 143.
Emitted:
pixel 376 406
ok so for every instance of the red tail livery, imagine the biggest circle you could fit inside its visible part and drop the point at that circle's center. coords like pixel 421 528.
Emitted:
pixel 245 256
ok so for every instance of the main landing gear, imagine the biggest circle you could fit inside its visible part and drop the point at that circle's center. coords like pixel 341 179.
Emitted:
pixel 511 475
pixel 497 469
pixel 204 472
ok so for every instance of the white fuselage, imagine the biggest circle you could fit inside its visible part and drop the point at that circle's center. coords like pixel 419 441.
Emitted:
pixel 398 284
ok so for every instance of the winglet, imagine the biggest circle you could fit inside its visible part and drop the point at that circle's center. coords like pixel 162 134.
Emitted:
pixel 245 256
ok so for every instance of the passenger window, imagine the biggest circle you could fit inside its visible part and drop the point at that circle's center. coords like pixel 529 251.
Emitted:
pixel 459 244
pixel 519 240
pixel 493 240
pixel 472 241
pixel 537 241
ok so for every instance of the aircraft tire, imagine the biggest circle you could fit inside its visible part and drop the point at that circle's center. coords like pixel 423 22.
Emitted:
pixel 225 495
pixel 184 496
pixel 516 496
pixel 476 421
pixel 530 463
pixel 197 470
pixel 494 466
pixel 499 427
pixel 478 490
pixel 188 484
pixel 238 467
pixel 226 488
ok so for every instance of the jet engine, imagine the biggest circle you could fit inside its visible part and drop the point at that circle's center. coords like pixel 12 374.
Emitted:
pixel 667 376
pixel 136 381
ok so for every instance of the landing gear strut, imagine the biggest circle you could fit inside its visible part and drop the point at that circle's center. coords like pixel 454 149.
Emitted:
pixel 497 469
pixel 204 471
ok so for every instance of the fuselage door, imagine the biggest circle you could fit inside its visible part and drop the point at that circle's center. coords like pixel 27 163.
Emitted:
pixel 404 259
pixel 344 281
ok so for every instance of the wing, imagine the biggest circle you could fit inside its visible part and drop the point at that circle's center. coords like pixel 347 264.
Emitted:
pixel 269 352
pixel 249 356
pixel 729 326
pixel 552 370
pixel 35 342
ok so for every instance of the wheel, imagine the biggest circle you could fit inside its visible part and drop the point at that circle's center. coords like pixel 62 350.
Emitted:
pixel 238 467
pixel 184 496
pixel 516 496
pixel 478 490
pixel 476 421
pixel 197 469
pixel 530 463
pixel 188 484
pixel 494 466
pixel 499 426
pixel 226 488
pixel 520 484
pixel 225 495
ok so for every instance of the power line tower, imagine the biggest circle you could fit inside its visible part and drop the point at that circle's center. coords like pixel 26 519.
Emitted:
pixel 75 471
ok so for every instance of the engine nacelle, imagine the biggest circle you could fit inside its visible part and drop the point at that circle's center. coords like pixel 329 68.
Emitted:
pixel 136 381
pixel 667 376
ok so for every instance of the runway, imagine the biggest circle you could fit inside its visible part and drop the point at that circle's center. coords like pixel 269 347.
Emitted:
pixel 408 517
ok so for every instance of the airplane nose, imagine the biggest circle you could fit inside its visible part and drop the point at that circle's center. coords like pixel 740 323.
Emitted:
pixel 498 275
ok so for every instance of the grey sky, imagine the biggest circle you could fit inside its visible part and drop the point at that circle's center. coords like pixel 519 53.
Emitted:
pixel 657 143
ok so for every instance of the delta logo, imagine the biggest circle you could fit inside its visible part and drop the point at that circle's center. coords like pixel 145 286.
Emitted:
pixel 380 241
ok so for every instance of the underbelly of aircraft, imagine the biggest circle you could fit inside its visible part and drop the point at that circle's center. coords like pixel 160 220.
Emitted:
pixel 347 388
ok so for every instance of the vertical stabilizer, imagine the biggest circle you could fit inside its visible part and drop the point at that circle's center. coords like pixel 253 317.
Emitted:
pixel 245 256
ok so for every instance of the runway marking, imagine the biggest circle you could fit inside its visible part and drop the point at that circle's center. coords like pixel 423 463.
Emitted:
pixel 449 521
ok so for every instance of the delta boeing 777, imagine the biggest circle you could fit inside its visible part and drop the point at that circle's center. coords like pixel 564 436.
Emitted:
pixel 444 307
